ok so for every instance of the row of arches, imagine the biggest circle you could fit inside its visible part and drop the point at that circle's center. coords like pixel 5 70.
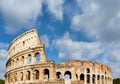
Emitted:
pixel 35 75
pixel 24 60
pixel 28 75
pixel 89 78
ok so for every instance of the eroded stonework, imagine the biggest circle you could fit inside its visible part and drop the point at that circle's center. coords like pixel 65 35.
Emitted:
pixel 27 64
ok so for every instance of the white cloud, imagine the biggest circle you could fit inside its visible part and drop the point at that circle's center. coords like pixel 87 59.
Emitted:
pixel 45 40
pixel 55 7
pixel 3 53
pixel 3 58
pixel 70 49
pixel 3 45
pixel 98 19
pixel 19 14
pixel 23 14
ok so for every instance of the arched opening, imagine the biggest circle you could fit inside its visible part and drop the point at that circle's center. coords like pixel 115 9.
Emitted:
pixel 36 74
pixel 93 64
pixel 77 76
pixel 82 77
pixel 46 74
pixel 13 63
pixel 29 58
pixel 21 76
pixel 17 61
pixel 88 78
pixel 67 75
pixel 87 70
pixel 37 57
pixel 23 60
pixel 81 63
pixel 59 76
pixel 98 77
pixel 8 78
pixel 105 80
pixel 93 78
pixel 15 77
pixel 28 75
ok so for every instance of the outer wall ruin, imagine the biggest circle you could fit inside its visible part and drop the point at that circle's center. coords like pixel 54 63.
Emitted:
pixel 27 64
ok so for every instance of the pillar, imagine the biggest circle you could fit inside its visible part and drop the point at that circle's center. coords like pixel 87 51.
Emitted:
pixel 52 73
pixel 33 58
pixel 90 78
pixel 85 79
pixel 96 81
pixel 42 56
pixel 26 59
pixel 41 74
pixel 100 79
pixel 73 75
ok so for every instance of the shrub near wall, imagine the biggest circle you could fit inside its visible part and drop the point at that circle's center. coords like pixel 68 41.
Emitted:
pixel 116 81
pixel 2 81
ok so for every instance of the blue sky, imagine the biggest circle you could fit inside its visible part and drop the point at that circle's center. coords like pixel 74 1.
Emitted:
pixel 70 29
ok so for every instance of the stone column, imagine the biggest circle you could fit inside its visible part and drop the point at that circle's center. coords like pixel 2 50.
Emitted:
pixel 32 76
pixel 62 73
pixel 85 79
pixel 78 76
pixel 26 59
pixel 96 81
pixel 104 80
pixel 73 74
pixel 33 58
pixel 100 80
pixel 41 74
pixel 52 73
pixel 90 78
pixel 24 76
pixel 42 56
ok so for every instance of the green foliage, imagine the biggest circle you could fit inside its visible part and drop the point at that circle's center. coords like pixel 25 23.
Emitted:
pixel 116 81
pixel 2 81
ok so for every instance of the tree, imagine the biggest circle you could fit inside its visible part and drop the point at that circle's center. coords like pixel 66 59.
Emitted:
pixel 116 81
pixel 2 81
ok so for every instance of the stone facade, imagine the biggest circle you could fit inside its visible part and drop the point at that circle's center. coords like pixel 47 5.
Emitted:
pixel 27 64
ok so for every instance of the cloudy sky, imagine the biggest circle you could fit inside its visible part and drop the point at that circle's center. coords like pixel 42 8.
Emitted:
pixel 70 29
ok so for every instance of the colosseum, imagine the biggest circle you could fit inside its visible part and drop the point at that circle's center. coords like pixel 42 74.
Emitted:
pixel 27 64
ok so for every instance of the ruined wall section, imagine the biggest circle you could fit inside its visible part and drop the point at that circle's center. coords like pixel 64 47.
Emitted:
pixel 29 39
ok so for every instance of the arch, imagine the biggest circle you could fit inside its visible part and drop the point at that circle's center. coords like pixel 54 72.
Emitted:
pixel 93 78
pixel 81 63
pixel 15 77
pixel 28 75
pixel 13 63
pixel 8 78
pixel 102 79
pixel 21 76
pixel 37 55
pixel 98 77
pixel 17 61
pixel 77 76
pixel 46 73
pixel 23 60
pixel 67 75
pixel 88 78
pixel 29 58
pixel 87 70
pixel 36 74
pixel 59 75
pixel 82 77
pixel 93 64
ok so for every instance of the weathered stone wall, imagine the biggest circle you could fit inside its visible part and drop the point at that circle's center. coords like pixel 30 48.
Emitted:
pixel 27 63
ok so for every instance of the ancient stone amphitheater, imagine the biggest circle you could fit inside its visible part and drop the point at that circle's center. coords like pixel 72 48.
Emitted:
pixel 27 64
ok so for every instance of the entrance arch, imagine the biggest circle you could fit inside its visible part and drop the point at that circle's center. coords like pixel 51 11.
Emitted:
pixel 46 73
pixel 67 75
